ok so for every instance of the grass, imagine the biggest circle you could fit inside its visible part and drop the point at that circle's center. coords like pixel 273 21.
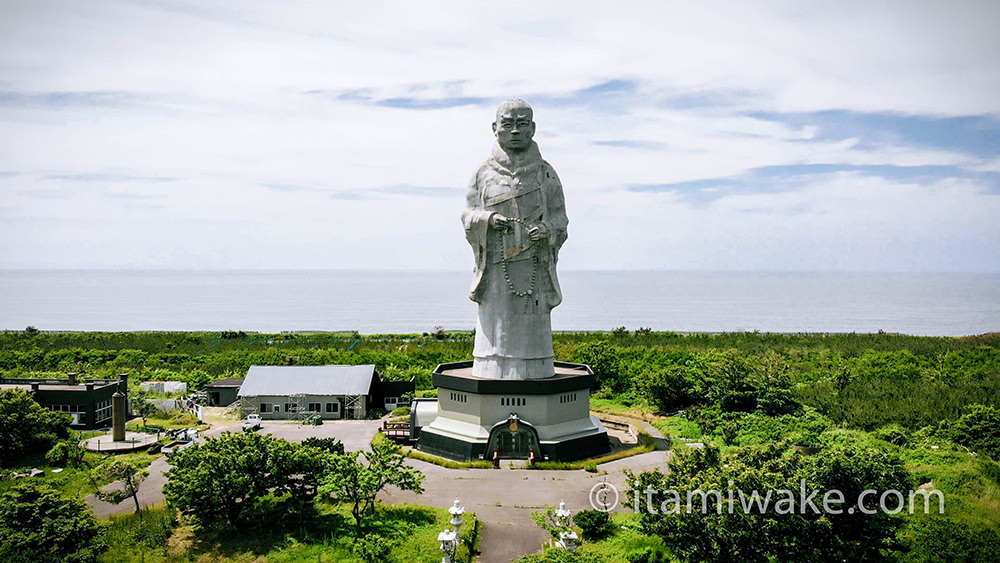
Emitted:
pixel 625 545
pixel 445 462
pixel 173 420
pixel 155 536
pixel 677 427
pixel 615 407
pixel 72 481
pixel 647 444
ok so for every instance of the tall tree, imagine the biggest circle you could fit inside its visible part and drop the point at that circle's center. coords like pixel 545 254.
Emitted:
pixel 215 481
pixel 358 483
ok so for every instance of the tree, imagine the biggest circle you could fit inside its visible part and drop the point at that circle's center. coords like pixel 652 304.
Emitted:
pixel 979 429
pixel 40 525
pixel 330 445
pixel 669 388
pixel 142 406
pixel 127 472
pixel 357 483
pixel 215 481
pixel 784 528
pixel 548 521
pixel 26 427
pixel 605 360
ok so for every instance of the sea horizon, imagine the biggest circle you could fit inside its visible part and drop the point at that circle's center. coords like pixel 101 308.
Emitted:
pixel 400 301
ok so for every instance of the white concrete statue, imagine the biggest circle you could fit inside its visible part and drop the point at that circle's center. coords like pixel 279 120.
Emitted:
pixel 515 220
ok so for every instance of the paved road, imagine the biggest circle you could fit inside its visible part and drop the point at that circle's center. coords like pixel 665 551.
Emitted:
pixel 502 499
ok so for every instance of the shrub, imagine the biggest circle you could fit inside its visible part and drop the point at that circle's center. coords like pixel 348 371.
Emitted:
pixel 66 453
pixel 979 429
pixel 595 524
pixel 372 549
pixel 40 525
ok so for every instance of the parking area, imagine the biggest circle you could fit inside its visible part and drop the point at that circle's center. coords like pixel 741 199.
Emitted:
pixel 355 434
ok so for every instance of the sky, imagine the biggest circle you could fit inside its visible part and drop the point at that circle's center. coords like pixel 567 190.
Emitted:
pixel 702 136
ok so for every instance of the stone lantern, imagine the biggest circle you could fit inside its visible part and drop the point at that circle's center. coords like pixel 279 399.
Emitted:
pixel 567 537
pixel 449 543
pixel 456 512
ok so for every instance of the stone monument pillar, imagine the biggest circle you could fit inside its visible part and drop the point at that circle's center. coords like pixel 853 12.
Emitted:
pixel 118 417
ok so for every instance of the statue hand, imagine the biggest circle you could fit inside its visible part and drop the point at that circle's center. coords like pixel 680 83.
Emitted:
pixel 499 222
pixel 538 232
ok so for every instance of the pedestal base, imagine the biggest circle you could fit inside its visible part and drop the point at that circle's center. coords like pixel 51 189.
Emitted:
pixel 548 417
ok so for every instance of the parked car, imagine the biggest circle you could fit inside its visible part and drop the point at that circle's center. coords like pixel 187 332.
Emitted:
pixel 252 423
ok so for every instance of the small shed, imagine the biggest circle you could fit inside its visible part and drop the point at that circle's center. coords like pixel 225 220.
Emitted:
pixel 223 392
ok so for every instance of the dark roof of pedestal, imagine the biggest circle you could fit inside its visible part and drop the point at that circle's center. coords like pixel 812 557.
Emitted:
pixel 569 377
pixel 307 380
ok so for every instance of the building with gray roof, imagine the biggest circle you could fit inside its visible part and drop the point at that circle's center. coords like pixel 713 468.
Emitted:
pixel 337 391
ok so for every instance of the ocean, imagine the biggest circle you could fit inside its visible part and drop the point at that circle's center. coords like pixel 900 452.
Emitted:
pixel 416 302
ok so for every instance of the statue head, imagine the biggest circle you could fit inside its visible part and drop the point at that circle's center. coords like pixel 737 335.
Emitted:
pixel 514 126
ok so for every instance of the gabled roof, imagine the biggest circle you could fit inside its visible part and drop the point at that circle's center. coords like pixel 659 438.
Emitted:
pixel 307 380
pixel 228 382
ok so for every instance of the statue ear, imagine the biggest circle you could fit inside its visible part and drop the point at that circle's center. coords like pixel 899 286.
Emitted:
pixel 494 127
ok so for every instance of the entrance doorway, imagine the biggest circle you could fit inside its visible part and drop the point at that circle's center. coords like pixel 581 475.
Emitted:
pixel 514 439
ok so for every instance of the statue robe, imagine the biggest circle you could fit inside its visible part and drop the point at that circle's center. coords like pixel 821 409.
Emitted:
pixel 514 333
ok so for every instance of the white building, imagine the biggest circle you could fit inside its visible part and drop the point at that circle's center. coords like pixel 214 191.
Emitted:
pixel 164 386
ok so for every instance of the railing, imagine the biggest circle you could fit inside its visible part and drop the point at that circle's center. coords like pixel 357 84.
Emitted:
pixel 622 426
pixel 133 443
pixel 397 430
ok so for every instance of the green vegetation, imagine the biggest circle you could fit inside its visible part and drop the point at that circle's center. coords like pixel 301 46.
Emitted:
pixel 216 481
pixel 868 410
pixel 40 525
pixel 156 536
pixel 26 428
pixel 646 444
pixel 357 484
pixel 445 462
pixel 124 470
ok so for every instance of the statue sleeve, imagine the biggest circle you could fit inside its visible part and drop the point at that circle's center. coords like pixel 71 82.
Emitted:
pixel 475 218
pixel 555 212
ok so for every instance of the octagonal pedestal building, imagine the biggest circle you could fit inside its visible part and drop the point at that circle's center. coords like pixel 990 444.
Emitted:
pixel 475 416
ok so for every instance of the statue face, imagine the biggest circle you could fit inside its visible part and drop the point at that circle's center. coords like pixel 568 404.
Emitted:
pixel 514 129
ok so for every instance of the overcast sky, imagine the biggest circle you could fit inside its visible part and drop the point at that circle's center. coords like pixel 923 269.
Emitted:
pixel 786 136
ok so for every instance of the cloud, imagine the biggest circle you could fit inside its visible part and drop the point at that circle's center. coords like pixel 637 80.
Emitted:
pixel 68 100
pixel 631 144
pixel 698 135
pixel 108 177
